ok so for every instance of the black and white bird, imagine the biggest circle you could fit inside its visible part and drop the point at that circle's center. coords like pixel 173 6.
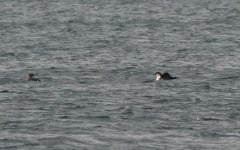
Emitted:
pixel 32 78
pixel 164 76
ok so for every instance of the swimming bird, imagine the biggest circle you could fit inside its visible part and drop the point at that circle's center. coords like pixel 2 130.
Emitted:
pixel 164 76
pixel 32 78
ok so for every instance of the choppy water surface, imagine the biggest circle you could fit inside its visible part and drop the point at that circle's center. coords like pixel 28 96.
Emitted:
pixel 96 60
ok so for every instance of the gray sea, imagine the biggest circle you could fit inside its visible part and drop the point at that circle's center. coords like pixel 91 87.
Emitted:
pixel 96 60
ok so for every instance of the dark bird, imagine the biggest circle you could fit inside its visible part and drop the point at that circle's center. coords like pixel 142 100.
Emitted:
pixel 32 78
pixel 164 76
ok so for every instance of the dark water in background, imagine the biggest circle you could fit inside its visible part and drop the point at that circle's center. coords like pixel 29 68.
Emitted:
pixel 96 60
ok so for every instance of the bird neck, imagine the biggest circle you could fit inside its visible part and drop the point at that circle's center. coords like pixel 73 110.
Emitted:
pixel 158 77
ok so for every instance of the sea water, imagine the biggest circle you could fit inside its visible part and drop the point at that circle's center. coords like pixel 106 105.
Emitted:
pixel 96 60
